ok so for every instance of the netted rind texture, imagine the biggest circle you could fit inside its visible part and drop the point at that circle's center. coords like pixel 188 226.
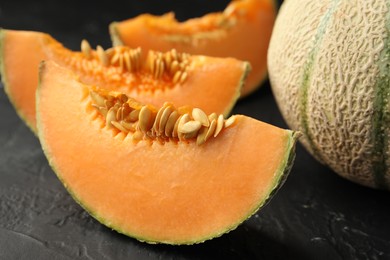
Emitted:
pixel 328 63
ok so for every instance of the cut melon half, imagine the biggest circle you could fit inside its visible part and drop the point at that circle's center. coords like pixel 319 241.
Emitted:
pixel 151 77
pixel 242 31
pixel 168 175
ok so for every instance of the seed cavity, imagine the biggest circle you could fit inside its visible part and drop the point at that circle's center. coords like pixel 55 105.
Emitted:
pixel 145 122
pixel 168 66
pixel 127 59
pixel 171 63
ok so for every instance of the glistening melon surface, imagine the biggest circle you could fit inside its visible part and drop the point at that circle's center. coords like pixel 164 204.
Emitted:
pixel 171 191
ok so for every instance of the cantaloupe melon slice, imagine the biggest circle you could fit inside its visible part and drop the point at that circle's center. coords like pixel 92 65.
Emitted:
pixel 151 77
pixel 242 31
pixel 149 182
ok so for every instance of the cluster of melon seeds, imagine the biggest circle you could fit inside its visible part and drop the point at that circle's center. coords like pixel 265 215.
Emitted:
pixel 164 124
pixel 171 65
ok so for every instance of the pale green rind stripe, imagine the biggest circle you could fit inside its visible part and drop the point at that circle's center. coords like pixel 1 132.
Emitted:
pixel 307 73
pixel 381 117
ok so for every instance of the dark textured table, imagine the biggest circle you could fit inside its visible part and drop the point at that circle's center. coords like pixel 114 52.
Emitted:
pixel 316 214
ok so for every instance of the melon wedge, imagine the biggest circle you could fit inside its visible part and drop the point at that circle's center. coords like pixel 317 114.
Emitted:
pixel 157 189
pixel 242 31
pixel 146 75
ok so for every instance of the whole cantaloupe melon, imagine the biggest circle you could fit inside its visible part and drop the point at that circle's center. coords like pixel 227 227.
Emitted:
pixel 329 67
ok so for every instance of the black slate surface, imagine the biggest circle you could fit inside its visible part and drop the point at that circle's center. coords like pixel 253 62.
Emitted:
pixel 316 214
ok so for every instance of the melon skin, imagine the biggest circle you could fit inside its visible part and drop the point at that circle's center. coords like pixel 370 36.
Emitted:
pixel 172 193
pixel 328 65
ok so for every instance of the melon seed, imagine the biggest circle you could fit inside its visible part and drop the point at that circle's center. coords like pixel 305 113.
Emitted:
pixel 125 110
pixel 158 118
pixel 102 110
pixel 145 119
pixel 119 114
pixel 201 138
pixel 102 55
pixel 119 126
pixel 211 130
pixel 111 116
pixel 183 77
pixel 98 100
pixel 176 77
pixel 164 118
pixel 133 115
pixel 128 126
pixel 174 54
pixel 174 67
pixel 230 121
pixel 135 57
pixel 189 127
pixel 170 125
pixel 176 126
pixel 199 115
pixel 115 58
pixel 126 57
pixel 182 120
pixel 213 116
pixel 121 63
pixel 220 123
pixel 86 48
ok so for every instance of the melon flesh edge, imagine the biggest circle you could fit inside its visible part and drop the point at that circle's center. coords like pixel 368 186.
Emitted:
pixel 174 193
pixel 23 59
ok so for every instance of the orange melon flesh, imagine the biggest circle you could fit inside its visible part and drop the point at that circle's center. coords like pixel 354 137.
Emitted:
pixel 242 31
pixel 21 51
pixel 177 192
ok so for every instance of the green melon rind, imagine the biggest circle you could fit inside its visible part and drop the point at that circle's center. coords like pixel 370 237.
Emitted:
pixel 247 69
pixel 306 78
pixel 281 175
pixel 6 85
pixel 381 117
